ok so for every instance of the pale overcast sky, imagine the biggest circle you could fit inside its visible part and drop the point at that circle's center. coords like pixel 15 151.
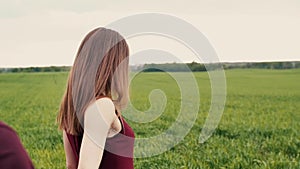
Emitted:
pixel 48 32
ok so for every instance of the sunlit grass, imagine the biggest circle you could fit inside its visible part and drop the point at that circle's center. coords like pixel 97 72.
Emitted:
pixel 259 127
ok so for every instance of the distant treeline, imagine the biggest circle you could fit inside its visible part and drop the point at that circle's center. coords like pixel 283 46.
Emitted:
pixel 174 67
pixel 198 67
pixel 36 69
pixel 264 65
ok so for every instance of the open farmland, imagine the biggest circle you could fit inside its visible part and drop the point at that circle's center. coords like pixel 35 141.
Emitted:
pixel 259 128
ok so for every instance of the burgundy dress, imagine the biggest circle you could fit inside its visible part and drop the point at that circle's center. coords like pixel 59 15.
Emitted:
pixel 12 152
pixel 118 153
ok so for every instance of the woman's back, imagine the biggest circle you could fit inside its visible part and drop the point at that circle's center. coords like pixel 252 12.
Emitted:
pixel 118 153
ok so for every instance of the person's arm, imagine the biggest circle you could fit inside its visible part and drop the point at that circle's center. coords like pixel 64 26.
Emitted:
pixel 98 119
pixel 70 158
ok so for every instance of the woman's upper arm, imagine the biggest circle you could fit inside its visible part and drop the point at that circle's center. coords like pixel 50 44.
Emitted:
pixel 97 123
pixel 70 158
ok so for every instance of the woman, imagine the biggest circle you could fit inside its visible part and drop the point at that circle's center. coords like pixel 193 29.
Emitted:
pixel 94 133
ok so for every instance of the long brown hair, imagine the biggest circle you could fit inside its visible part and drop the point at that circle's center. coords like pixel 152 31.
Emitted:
pixel 100 69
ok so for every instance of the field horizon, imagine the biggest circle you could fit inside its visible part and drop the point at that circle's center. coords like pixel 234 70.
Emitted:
pixel 259 127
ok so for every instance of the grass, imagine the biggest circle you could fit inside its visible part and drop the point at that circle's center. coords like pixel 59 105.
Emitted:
pixel 259 127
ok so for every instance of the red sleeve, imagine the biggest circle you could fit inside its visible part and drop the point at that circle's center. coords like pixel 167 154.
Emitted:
pixel 12 152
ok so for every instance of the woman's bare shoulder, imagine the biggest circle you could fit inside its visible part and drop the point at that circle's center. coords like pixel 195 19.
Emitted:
pixel 105 103
pixel 106 108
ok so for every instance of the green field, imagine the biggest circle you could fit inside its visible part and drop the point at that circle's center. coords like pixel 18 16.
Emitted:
pixel 259 128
